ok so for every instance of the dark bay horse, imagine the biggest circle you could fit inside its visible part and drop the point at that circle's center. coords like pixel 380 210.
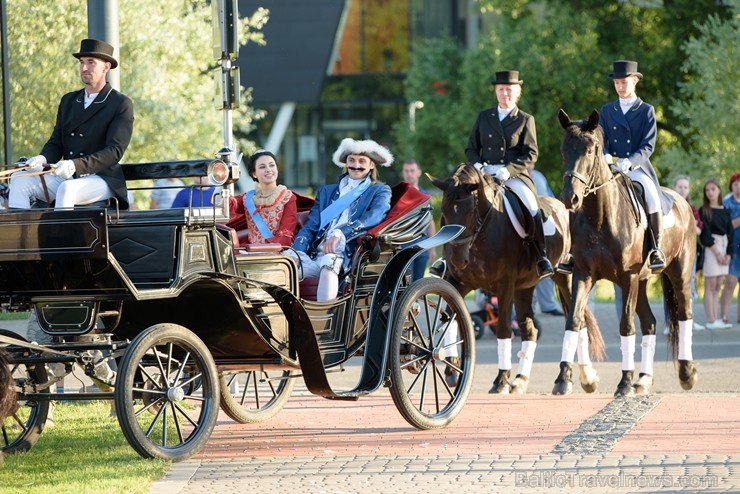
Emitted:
pixel 607 235
pixel 491 255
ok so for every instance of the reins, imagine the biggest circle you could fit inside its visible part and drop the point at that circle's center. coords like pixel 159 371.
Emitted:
pixel 478 221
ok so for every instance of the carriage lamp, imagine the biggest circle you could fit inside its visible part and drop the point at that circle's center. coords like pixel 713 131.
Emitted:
pixel 218 172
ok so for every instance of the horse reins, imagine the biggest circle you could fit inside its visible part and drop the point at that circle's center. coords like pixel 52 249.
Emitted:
pixel 478 221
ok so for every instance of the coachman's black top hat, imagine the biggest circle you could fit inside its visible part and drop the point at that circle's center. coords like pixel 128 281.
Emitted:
pixel 96 49
pixel 624 69
pixel 507 77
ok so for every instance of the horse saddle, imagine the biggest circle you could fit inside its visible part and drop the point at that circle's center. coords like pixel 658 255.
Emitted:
pixel 520 218
pixel 636 193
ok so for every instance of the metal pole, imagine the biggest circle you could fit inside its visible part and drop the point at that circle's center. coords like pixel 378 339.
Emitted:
pixel 6 90
pixel 102 24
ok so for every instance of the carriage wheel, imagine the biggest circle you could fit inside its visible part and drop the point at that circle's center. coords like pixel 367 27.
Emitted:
pixel 255 396
pixel 166 393
pixel 22 428
pixel 420 362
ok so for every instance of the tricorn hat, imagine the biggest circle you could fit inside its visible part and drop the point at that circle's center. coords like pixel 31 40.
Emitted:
pixel 96 49
pixel 379 154
pixel 624 69
pixel 507 77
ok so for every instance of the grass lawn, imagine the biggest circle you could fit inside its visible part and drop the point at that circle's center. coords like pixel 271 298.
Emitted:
pixel 84 453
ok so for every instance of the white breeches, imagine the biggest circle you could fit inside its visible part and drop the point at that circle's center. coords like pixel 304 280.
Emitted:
pixel 66 193
pixel 524 193
pixel 326 268
pixel 651 192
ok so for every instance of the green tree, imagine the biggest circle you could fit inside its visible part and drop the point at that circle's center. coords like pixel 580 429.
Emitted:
pixel 708 109
pixel 166 65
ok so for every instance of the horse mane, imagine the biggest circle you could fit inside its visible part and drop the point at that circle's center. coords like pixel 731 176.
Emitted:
pixel 467 174
pixel 580 131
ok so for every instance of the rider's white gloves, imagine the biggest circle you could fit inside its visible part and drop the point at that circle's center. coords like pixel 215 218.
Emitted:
pixel 35 164
pixel 624 165
pixel 608 158
pixel 64 169
pixel 499 172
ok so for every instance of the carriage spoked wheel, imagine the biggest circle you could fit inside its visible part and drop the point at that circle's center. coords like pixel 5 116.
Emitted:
pixel 422 358
pixel 167 393
pixel 251 397
pixel 22 428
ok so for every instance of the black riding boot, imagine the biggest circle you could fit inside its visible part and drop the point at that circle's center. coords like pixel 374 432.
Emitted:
pixel 544 268
pixel 656 259
pixel 565 266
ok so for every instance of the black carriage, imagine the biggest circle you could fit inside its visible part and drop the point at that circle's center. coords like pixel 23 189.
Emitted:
pixel 190 322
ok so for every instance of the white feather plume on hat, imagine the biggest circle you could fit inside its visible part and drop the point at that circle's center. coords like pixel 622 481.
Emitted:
pixel 379 154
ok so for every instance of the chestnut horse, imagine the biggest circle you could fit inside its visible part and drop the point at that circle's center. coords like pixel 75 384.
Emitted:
pixel 491 255
pixel 608 243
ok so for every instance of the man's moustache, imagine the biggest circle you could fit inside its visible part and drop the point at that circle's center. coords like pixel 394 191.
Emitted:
pixel 354 168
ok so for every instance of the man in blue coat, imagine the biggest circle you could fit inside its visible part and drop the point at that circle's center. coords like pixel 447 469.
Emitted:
pixel 92 131
pixel 342 214
pixel 630 132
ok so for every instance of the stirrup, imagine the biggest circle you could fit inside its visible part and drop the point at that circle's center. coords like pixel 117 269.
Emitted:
pixel 565 266
pixel 657 261
pixel 544 268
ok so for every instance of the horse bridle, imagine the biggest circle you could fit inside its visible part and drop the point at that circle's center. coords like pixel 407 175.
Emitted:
pixel 479 222
pixel 588 181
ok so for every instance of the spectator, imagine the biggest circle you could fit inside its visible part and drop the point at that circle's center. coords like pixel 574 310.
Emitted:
pixel 269 212
pixel 717 238
pixel 165 191
pixel 544 292
pixel 342 214
pixel 732 204
pixel 92 131
pixel 197 196
pixel 411 175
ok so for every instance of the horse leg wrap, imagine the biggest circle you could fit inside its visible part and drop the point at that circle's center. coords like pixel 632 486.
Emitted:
pixel 449 339
pixel 570 344
pixel 648 354
pixel 685 337
pixel 504 353
pixel 526 358
pixel 584 358
pixel 627 344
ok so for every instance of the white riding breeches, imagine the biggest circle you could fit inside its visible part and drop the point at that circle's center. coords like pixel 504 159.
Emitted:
pixel 651 192
pixel 524 193
pixel 66 193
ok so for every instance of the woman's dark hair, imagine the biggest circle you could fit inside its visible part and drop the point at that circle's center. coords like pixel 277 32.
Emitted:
pixel 252 161
pixel 706 206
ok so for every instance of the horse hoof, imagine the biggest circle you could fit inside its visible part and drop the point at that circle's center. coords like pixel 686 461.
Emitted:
pixel 562 388
pixel 687 374
pixel 500 389
pixel 624 391
pixel 589 378
pixel 520 384
pixel 644 385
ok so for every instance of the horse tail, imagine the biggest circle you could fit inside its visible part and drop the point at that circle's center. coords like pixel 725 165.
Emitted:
pixel 7 386
pixel 596 345
pixel 671 308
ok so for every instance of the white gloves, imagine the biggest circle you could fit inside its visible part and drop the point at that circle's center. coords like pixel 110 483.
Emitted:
pixel 64 169
pixel 35 164
pixel 478 166
pixel 609 158
pixel 499 172
pixel 624 165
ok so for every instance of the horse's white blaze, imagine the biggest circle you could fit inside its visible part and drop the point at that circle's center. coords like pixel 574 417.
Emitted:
pixel 504 353
pixel 627 344
pixel 526 357
pixel 648 354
